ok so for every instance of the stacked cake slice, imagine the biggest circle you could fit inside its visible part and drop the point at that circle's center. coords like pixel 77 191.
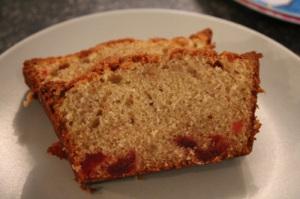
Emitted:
pixel 131 107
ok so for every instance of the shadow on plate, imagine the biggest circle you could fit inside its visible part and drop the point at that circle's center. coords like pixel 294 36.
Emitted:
pixel 53 178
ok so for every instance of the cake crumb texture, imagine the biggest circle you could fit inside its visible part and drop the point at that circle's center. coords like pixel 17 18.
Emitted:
pixel 192 108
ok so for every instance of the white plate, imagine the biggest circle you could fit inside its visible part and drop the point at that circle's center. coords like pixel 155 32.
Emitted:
pixel 270 171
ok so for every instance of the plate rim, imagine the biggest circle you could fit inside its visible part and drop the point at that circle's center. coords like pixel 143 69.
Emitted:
pixel 141 11
pixel 271 11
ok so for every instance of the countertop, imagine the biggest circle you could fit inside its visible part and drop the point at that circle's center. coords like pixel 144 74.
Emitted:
pixel 21 18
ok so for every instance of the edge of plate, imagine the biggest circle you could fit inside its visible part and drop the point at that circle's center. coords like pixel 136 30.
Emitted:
pixel 271 12
pixel 143 10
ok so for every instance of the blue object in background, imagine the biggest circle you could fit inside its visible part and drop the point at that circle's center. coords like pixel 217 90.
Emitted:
pixel 291 9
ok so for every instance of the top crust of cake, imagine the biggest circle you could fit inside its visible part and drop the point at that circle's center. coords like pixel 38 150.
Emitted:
pixel 221 123
pixel 38 71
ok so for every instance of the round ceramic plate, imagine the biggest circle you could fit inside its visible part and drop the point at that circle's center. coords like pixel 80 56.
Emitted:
pixel 270 171
pixel 289 12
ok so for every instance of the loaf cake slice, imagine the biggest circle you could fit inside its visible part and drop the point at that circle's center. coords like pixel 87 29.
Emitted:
pixel 143 113
pixel 66 68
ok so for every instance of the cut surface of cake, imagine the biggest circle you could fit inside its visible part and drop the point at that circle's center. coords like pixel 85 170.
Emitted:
pixel 143 113
pixel 66 68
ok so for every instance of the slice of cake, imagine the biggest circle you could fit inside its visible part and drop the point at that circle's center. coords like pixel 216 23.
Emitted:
pixel 66 68
pixel 145 113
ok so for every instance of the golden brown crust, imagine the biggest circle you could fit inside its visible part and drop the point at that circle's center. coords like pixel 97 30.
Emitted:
pixel 117 41
pixel 158 39
pixel 204 35
pixel 253 57
pixel 32 78
pixel 51 95
pixel 180 53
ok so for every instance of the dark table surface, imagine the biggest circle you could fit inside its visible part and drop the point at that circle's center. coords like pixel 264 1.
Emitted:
pixel 21 18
